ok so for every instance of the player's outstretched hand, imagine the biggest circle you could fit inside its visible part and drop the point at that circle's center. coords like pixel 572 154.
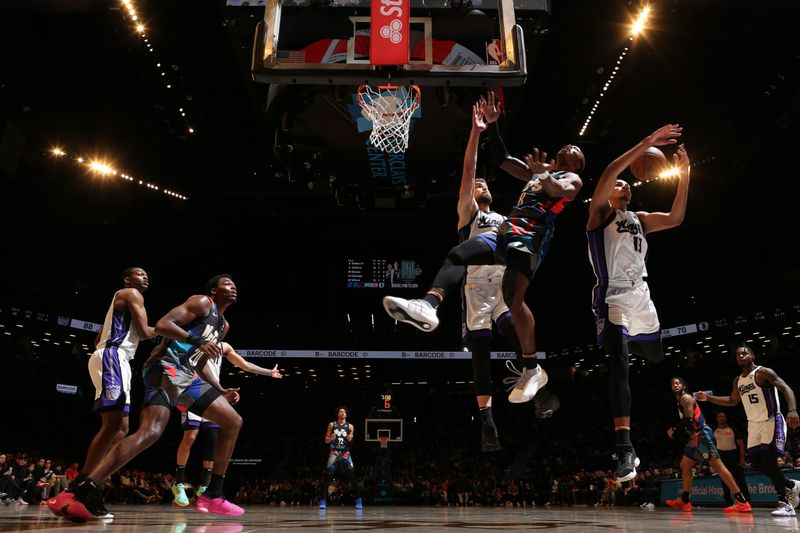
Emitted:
pixel 275 373
pixel 664 135
pixel 491 108
pixel 537 162
pixel 478 120
pixel 681 160
pixel 702 396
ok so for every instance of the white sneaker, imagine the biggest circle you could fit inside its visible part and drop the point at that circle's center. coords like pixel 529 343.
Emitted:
pixel 648 506
pixel 418 313
pixel 793 495
pixel 526 384
pixel 783 509
pixel 21 502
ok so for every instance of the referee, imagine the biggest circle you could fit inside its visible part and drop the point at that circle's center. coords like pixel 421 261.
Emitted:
pixel 731 450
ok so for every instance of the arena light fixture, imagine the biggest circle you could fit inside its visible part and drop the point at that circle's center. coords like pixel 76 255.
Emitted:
pixel 134 18
pixel 104 169
pixel 604 90
pixel 639 24
pixel 100 168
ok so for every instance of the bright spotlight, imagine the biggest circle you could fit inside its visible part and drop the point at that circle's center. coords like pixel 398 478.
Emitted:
pixel 669 173
pixel 641 20
pixel 100 168
pixel 58 152
pixel 140 28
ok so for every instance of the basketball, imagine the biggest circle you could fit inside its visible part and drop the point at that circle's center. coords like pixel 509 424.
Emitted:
pixel 649 165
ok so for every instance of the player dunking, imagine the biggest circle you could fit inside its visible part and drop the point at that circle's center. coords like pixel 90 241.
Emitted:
pixel 625 316
pixel 192 424
pixel 700 448
pixel 757 388
pixel 339 435
pixel 195 329
pixel 109 367
pixel 521 245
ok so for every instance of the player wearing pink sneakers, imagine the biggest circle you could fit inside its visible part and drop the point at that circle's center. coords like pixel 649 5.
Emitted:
pixel 193 334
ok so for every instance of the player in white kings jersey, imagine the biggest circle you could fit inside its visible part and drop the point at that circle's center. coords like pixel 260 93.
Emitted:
pixel 109 367
pixel 625 316
pixel 757 388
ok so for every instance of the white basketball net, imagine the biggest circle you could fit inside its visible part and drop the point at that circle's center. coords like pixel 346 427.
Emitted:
pixel 390 109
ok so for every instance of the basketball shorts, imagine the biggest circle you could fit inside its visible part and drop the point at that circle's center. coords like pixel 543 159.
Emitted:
pixel 701 447
pixel 190 421
pixel 173 386
pixel 483 299
pixel 767 434
pixel 522 244
pixel 341 459
pixel 628 307
pixel 110 371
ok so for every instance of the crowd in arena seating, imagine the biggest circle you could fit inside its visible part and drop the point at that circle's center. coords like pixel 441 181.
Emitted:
pixel 423 473
pixel 564 460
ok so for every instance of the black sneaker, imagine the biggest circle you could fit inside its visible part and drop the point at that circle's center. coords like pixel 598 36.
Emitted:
pixel 546 404
pixel 89 495
pixel 626 463
pixel 490 442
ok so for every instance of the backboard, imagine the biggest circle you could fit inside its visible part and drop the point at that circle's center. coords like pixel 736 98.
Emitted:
pixel 376 427
pixel 311 42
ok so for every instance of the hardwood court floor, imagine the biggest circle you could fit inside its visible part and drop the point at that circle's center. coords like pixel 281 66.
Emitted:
pixel 169 519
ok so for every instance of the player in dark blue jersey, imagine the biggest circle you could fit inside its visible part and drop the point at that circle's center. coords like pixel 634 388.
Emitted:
pixel 699 448
pixel 520 243
pixel 193 332
pixel 339 435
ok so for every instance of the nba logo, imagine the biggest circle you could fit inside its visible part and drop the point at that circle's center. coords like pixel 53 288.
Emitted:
pixel 494 52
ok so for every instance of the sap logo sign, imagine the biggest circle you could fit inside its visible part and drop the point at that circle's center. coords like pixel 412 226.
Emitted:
pixel 391 8
pixel 392 31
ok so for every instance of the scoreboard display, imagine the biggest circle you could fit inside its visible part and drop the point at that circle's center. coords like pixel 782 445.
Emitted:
pixel 380 273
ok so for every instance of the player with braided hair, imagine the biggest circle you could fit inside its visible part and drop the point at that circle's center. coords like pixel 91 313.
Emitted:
pixel 700 448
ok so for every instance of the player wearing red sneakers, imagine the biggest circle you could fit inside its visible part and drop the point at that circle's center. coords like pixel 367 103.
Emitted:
pixel 110 369
pixel 700 448
pixel 193 333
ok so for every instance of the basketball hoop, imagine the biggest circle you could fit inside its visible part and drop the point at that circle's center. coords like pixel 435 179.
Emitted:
pixel 390 109
pixel 384 440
